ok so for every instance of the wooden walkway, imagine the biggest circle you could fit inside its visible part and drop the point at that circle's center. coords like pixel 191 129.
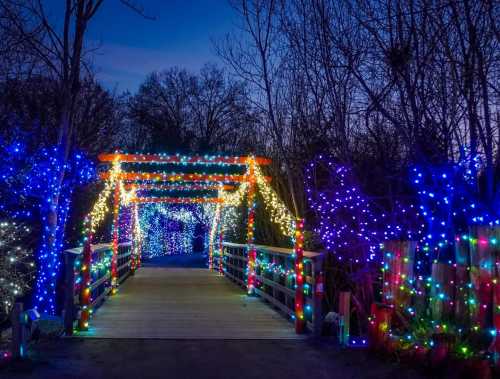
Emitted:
pixel 185 303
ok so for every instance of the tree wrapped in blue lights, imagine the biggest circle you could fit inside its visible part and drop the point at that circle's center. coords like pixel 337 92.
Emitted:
pixel 449 202
pixel 38 187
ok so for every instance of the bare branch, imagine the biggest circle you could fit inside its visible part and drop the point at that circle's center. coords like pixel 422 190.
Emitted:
pixel 137 8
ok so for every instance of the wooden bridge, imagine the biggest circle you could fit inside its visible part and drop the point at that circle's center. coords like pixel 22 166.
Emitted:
pixel 177 303
pixel 190 303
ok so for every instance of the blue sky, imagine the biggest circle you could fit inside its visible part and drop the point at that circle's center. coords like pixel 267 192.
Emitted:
pixel 130 47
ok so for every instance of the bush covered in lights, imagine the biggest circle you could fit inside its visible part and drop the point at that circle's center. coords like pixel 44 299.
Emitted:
pixel 351 224
pixel 444 286
pixel 17 267
pixel 449 200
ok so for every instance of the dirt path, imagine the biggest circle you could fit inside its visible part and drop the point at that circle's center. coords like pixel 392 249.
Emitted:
pixel 190 359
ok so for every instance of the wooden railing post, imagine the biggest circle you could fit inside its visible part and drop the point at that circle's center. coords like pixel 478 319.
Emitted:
pixel 69 292
pixel 116 229
pixel 345 313
pixel 133 263
pixel 279 278
pixel 136 243
pixel 319 290
pixel 85 291
pixel 212 236
pixel 300 321
pixel 221 251
pixel 252 253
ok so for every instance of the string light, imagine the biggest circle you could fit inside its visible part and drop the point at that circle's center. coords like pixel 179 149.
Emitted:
pixel 233 199
pixel 213 231
pixel 100 208
pixel 278 211
pixel 453 286
pixel 251 251
pixel 449 203
pixel 153 219
pixel 168 229
pixel 17 267
pixel 137 239
pixel 41 183
pixel 299 276
pixel 115 234
pixel 349 223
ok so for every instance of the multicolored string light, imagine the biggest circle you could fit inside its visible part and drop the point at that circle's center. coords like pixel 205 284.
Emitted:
pixel 278 211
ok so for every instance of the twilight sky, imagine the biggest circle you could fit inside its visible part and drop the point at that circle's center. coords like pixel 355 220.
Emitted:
pixel 131 47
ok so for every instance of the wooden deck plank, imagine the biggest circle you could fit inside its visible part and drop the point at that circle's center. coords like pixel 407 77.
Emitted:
pixel 180 303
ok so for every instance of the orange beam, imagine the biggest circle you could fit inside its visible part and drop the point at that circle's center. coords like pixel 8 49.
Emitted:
pixel 178 187
pixel 177 200
pixel 181 159
pixel 218 178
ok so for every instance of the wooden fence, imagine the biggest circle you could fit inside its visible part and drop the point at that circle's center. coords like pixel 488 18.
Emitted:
pixel 100 278
pixel 459 299
pixel 275 279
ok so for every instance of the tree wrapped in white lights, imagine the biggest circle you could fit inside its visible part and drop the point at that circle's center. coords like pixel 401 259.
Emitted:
pixel 17 268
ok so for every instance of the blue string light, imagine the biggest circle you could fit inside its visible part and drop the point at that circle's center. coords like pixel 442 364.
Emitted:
pixel 39 186
pixel 170 228
pixel 450 203
pixel 349 223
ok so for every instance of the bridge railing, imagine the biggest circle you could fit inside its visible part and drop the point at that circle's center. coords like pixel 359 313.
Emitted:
pixel 275 279
pixel 100 274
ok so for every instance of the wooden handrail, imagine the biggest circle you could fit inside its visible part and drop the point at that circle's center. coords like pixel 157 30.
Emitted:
pixel 281 294
pixel 97 248
pixel 274 249
pixel 100 286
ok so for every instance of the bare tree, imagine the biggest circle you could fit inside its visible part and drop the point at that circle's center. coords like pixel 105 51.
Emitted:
pixel 205 112
pixel 42 49
pixel 258 58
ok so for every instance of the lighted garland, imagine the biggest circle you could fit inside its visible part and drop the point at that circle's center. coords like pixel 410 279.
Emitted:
pixel 137 238
pixel 235 198
pixel 229 213
pixel 229 219
pixel 298 251
pixel 265 266
pixel 278 211
pixel 213 231
pixel 101 208
pixel 126 224
pixel 126 195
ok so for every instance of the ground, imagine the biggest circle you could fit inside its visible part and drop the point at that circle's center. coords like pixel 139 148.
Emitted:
pixel 189 359
pixel 264 357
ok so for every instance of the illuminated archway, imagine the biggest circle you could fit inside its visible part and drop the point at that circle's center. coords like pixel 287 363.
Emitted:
pixel 136 179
